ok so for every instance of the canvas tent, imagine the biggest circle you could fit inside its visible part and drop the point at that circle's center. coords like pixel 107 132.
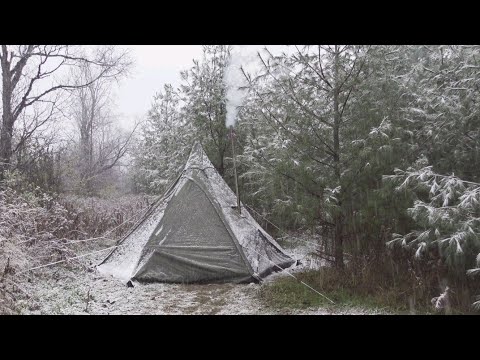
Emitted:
pixel 194 233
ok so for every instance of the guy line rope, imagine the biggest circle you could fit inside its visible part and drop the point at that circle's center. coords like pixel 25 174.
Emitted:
pixel 275 226
pixel 94 252
pixel 293 276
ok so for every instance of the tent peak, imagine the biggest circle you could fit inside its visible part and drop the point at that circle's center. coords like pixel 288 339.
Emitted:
pixel 198 158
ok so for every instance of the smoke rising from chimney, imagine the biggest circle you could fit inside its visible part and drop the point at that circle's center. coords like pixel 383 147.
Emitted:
pixel 233 78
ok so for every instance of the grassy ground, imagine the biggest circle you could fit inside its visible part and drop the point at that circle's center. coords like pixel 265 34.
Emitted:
pixel 287 292
pixel 372 283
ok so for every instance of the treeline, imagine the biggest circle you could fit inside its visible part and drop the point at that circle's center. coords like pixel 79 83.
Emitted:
pixel 374 147
pixel 59 128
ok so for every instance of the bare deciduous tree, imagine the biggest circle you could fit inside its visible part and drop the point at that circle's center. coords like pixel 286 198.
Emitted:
pixel 100 144
pixel 33 80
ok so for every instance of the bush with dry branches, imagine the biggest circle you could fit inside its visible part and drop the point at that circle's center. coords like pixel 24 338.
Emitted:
pixel 37 228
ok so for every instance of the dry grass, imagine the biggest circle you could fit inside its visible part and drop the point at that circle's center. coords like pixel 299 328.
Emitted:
pixel 37 229
pixel 379 285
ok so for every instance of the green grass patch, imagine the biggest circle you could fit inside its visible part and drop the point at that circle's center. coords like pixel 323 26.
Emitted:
pixel 345 289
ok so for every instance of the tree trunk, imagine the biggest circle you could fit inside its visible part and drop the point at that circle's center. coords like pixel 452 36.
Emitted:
pixel 5 144
pixel 336 159
pixel 8 120
pixel 221 166
pixel 339 264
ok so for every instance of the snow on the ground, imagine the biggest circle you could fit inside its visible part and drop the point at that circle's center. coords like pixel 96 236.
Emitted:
pixel 81 292
pixel 98 295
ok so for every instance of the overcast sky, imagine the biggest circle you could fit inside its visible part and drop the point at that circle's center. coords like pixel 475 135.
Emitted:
pixel 156 65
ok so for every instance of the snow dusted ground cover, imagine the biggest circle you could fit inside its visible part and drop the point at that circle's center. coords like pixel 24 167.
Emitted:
pixel 60 290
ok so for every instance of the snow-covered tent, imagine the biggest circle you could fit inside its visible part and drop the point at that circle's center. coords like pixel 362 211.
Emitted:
pixel 194 233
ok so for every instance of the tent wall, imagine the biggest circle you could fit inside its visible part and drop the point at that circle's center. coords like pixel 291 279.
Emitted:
pixel 191 244
pixel 195 234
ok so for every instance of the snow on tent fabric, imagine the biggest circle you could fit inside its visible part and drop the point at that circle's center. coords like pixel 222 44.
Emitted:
pixel 195 234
